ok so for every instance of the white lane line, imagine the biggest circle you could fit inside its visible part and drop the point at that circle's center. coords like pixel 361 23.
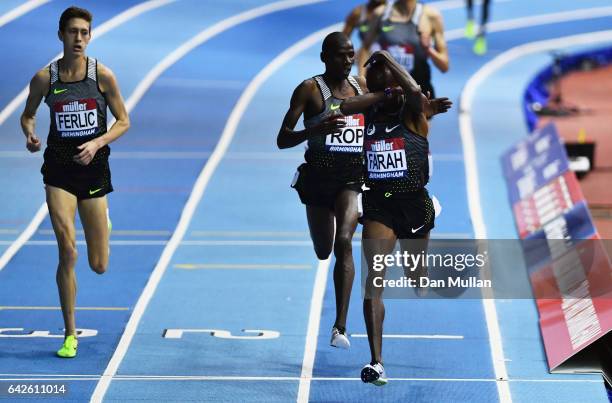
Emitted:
pixel 230 266
pixel 530 21
pixel 205 35
pixel 173 155
pixel 472 176
pixel 312 331
pixel 250 233
pixel 27 233
pixel 414 336
pixel 57 308
pixel 453 4
pixel 52 375
pixel 249 242
pixel 105 27
pixel 209 242
pixel 204 177
pixel 115 232
pixel 20 10
pixel 172 378
pixel 83 243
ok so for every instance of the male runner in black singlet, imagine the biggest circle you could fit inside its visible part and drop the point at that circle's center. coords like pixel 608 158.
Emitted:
pixel 396 204
pixel 331 179
pixel 407 29
pixel 75 171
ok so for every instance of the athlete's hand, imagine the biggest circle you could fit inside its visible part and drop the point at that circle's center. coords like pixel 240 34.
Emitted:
pixel 437 105
pixel 88 151
pixel 330 125
pixel 380 56
pixel 33 143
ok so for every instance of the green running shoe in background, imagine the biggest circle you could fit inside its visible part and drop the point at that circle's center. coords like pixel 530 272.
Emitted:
pixel 480 45
pixel 470 30
pixel 69 349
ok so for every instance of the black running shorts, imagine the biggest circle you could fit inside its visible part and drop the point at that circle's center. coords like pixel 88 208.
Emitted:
pixel 85 182
pixel 410 216
pixel 317 188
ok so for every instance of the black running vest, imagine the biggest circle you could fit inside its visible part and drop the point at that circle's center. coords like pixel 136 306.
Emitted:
pixel 403 41
pixel 78 115
pixel 338 153
pixel 395 157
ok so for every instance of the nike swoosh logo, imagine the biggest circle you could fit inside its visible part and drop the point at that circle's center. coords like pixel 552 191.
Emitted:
pixel 371 130
pixel 391 129
pixel 415 230
pixel 388 28
pixel 334 107
pixel 56 91
pixel 93 192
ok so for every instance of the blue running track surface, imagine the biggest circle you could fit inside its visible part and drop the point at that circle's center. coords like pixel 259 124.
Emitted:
pixel 223 312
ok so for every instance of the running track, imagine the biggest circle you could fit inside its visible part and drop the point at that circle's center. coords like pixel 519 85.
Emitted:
pixel 207 234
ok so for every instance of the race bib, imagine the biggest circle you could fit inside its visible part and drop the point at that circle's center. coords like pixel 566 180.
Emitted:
pixel 350 138
pixel 386 159
pixel 76 118
pixel 404 55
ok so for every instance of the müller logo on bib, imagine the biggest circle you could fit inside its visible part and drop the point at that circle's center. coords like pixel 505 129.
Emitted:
pixel 76 118
pixel 350 138
pixel 386 159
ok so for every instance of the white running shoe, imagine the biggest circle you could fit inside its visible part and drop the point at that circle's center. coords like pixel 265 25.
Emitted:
pixel 339 339
pixel 374 374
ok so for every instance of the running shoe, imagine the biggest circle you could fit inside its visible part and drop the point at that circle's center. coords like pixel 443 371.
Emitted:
pixel 375 374
pixel 470 29
pixel 339 339
pixel 480 45
pixel 69 349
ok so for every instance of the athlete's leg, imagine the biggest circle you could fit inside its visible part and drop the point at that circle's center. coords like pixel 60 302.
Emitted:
pixel 485 16
pixel 321 226
pixel 378 239
pixel 95 226
pixel 480 45
pixel 62 207
pixel 347 215
pixel 416 247
pixel 469 26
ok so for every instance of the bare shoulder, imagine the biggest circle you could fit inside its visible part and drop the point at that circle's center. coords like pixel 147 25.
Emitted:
pixel 307 87
pixel 106 79
pixel 433 14
pixel 105 73
pixel 309 84
pixel 40 81
pixel 355 13
pixel 42 76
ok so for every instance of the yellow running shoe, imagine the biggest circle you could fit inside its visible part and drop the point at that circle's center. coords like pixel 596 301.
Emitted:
pixel 470 30
pixel 69 349
pixel 480 45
